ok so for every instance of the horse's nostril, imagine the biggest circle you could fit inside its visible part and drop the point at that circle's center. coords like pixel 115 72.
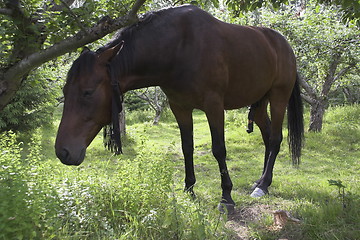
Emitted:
pixel 63 155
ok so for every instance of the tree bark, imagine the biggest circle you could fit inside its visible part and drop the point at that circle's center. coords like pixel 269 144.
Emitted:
pixel 317 111
pixel 157 116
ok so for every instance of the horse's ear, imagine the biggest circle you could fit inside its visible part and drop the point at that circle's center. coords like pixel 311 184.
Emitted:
pixel 85 49
pixel 108 54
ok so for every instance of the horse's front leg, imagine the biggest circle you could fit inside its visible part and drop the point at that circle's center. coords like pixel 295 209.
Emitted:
pixel 215 116
pixel 262 120
pixel 185 122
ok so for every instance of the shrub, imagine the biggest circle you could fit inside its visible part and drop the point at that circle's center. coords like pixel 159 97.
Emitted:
pixel 25 200
pixel 33 105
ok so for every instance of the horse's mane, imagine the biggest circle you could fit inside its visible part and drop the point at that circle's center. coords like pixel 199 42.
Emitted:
pixel 86 60
pixel 124 61
pixel 148 19
pixel 119 66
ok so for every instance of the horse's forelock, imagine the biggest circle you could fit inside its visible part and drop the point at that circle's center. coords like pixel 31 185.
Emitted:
pixel 83 64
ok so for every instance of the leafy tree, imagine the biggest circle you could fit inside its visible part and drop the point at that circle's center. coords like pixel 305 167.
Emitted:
pixel 327 52
pixel 351 8
pixel 36 31
pixel 155 99
pixel 34 103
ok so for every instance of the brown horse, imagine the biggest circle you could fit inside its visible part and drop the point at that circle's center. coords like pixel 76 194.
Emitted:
pixel 199 62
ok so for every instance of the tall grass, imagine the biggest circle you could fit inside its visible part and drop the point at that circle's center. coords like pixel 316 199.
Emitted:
pixel 139 195
pixel 106 198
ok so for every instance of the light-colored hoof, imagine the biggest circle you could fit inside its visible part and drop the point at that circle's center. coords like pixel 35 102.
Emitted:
pixel 226 208
pixel 258 192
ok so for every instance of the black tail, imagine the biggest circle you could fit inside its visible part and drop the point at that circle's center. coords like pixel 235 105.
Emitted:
pixel 295 123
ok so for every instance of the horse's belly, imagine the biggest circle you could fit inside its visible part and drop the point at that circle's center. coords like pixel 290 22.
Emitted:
pixel 244 94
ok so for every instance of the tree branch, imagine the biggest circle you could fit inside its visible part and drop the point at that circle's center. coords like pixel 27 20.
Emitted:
pixel 17 15
pixel 344 71
pixel 136 7
pixel 29 29
pixel 308 99
pixel 330 76
pixel 308 89
pixel 146 98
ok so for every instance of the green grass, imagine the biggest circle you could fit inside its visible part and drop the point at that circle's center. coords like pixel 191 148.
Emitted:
pixel 138 195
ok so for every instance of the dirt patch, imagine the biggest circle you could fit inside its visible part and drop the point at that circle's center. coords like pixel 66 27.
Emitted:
pixel 239 221
pixel 284 225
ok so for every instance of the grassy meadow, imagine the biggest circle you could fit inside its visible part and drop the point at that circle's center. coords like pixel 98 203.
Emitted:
pixel 139 195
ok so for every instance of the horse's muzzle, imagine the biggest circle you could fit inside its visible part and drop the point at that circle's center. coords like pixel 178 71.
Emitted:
pixel 68 158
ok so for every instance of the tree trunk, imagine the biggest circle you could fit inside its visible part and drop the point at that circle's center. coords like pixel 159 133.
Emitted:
pixel 157 116
pixel 317 111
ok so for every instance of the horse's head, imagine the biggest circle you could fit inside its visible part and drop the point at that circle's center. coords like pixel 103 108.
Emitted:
pixel 87 106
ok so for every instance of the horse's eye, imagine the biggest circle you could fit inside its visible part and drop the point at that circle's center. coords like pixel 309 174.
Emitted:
pixel 87 93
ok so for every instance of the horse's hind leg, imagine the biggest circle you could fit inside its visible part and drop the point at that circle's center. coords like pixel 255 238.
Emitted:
pixel 277 109
pixel 185 122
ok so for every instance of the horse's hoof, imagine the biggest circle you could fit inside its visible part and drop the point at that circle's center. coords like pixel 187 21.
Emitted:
pixel 258 192
pixel 191 193
pixel 226 208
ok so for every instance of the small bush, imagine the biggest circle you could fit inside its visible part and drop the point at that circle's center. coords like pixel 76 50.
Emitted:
pixel 33 105
pixel 26 201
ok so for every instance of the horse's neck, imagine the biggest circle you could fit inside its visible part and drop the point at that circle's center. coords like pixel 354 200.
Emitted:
pixel 157 71
pixel 133 81
pixel 151 59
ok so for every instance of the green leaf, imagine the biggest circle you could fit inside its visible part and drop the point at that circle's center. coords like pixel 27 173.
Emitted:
pixel 337 183
pixel 215 3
